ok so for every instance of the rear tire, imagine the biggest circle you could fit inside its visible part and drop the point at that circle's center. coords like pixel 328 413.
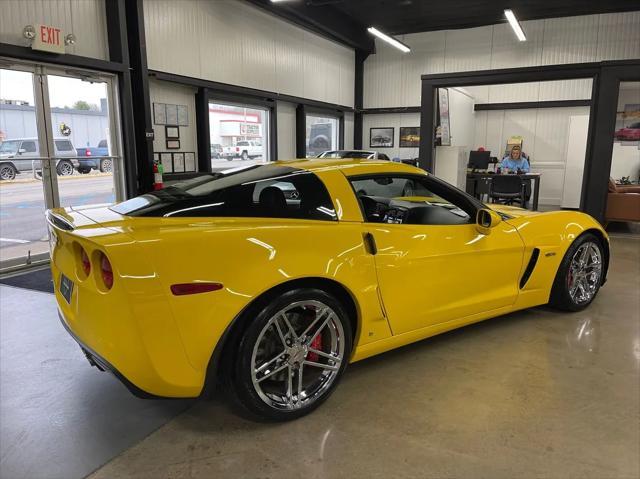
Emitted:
pixel 65 168
pixel 580 274
pixel 106 166
pixel 291 355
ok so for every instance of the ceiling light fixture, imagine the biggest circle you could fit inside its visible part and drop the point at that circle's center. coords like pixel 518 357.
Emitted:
pixel 513 21
pixel 390 40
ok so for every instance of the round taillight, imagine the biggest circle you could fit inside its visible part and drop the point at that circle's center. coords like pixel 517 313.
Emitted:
pixel 107 272
pixel 86 264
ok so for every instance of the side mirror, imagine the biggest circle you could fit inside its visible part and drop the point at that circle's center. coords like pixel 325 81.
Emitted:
pixel 21 151
pixel 486 220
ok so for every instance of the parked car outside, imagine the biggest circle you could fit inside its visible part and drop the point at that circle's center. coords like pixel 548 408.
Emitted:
pixel 359 154
pixel 629 133
pixel 105 165
pixel 244 149
pixel 320 135
pixel 216 151
pixel 20 155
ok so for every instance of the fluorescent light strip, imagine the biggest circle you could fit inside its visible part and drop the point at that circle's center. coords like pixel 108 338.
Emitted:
pixel 390 40
pixel 513 21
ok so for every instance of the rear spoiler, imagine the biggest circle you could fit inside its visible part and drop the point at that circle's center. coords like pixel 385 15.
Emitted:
pixel 58 221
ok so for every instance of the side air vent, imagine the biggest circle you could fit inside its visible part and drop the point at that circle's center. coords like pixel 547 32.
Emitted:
pixel 530 267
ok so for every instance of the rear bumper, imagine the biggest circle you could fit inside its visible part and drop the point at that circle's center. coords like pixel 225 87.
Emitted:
pixel 102 364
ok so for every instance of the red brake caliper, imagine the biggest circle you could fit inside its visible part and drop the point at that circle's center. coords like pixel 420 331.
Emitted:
pixel 317 345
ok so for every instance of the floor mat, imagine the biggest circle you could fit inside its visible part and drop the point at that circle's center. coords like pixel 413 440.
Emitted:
pixel 39 280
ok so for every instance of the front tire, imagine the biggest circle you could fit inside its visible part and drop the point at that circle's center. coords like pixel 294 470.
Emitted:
pixel 8 172
pixel 580 274
pixel 245 156
pixel 292 355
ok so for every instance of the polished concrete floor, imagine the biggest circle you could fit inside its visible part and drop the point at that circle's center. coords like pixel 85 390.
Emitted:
pixel 536 394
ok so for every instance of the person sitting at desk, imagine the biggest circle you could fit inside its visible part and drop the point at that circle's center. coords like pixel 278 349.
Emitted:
pixel 516 161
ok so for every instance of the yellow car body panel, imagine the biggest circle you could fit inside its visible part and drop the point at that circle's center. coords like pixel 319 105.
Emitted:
pixel 423 280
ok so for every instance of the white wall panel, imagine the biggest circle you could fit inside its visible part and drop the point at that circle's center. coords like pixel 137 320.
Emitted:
pixel 172 93
pixel 468 49
pixel 507 52
pixel 84 18
pixel 286 130
pixel 348 131
pixel 619 36
pixel 233 42
pixel 393 79
pixel 570 40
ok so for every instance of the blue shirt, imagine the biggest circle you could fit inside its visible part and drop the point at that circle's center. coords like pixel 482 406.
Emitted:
pixel 514 165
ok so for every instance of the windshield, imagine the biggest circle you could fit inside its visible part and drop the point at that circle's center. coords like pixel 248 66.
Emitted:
pixel 9 146
pixel 347 154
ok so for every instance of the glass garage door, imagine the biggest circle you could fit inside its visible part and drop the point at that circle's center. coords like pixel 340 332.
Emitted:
pixel 59 144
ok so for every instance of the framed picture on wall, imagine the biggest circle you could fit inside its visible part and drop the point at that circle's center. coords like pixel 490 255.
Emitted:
pixel 178 163
pixel 190 161
pixel 409 137
pixel 166 159
pixel 183 115
pixel 381 137
pixel 173 144
pixel 172 132
pixel 159 113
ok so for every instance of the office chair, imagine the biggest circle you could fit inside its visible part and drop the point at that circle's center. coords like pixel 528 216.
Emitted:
pixel 507 189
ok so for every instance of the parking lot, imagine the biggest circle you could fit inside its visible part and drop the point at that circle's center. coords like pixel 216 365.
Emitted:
pixel 22 224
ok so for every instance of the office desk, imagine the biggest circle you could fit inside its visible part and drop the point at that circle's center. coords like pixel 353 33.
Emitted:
pixel 478 184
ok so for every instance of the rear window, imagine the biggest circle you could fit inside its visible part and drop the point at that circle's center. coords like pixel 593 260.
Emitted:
pixel 63 145
pixel 265 191
pixel 102 144
pixel 242 143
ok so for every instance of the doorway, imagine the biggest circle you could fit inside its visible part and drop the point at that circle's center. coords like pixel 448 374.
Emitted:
pixel 59 147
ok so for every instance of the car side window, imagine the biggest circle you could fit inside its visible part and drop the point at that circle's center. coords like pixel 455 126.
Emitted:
pixel 102 144
pixel 259 192
pixel 412 199
pixel 29 146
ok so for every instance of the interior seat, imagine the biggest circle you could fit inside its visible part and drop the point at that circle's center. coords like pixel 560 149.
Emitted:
pixel 273 202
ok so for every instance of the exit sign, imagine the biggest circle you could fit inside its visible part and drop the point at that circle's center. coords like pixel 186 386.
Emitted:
pixel 48 39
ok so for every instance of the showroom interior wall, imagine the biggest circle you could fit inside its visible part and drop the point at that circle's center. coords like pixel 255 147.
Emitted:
pixel 235 43
pixel 174 94
pixel 393 80
pixel 87 22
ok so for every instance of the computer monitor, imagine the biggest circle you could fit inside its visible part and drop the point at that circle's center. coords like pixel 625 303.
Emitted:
pixel 479 160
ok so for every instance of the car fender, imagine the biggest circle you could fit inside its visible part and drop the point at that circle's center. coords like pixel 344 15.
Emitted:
pixel 551 233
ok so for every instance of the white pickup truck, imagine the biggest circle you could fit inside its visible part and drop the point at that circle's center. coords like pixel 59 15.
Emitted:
pixel 244 149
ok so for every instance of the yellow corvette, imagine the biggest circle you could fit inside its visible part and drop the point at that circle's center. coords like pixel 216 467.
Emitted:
pixel 271 278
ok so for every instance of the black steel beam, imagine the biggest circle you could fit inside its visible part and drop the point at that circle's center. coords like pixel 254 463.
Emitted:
pixel 118 44
pixel 358 119
pixel 301 132
pixel 326 21
pixel 243 92
pixel 391 109
pixel 203 138
pixel 526 105
pixel 74 61
pixel 140 99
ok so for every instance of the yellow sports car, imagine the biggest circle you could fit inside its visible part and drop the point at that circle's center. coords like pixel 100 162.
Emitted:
pixel 270 279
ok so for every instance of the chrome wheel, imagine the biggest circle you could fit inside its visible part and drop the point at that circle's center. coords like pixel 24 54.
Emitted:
pixel 297 355
pixel 585 270
pixel 106 166
pixel 65 168
pixel 7 172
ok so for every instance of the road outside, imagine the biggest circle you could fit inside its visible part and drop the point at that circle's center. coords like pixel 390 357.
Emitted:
pixel 22 224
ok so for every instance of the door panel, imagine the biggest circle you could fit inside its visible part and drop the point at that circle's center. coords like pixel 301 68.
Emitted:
pixel 430 274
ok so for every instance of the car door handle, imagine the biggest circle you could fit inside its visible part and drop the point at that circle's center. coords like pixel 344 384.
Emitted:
pixel 369 243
